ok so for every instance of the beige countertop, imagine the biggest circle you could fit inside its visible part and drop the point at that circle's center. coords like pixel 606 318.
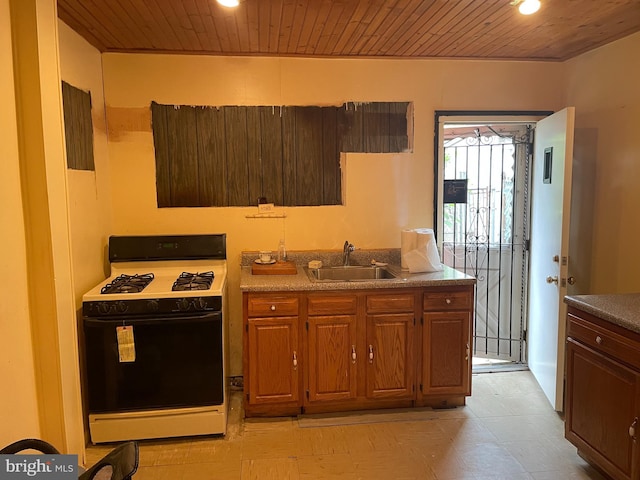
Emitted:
pixel 620 309
pixel 301 281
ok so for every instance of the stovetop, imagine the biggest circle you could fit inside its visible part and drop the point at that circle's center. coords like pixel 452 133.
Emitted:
pixel 161 279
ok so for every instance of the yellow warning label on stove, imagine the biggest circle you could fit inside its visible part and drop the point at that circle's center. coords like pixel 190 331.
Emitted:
pixel 126 344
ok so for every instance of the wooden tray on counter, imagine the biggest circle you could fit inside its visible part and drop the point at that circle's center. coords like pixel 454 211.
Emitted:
pixel 278 268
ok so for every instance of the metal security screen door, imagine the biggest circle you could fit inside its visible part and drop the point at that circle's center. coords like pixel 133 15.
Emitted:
pixel 482 226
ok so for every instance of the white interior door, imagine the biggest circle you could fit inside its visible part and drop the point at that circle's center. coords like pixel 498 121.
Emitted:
pixel 549 255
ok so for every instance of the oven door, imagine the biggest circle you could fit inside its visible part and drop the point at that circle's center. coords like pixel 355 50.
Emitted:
pixel 174 361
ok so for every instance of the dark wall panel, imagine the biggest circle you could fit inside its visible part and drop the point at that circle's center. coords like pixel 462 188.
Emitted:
pixel 254 154
pixel 183 150
pixel 212 155
pixel 272 166
pixel 289 155
pixel 230 156
pixel 351 128
pixel 331 194
pixel 376 126
pixel 161 144
pixel 309 151
pixel 78 127
pixel 237 151
pixel 398 133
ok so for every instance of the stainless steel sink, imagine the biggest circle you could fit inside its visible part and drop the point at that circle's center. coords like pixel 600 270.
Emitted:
pixel 349 274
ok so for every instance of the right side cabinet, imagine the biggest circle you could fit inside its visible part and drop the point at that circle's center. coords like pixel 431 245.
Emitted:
pixel 446 353
pixel 603 393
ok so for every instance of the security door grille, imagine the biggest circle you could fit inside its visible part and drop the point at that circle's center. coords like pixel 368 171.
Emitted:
pixel 483 228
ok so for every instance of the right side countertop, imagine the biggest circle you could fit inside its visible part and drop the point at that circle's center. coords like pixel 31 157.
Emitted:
pixel 621 309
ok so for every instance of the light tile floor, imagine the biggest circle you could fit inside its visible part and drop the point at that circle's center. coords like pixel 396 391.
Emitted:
pixel 507 431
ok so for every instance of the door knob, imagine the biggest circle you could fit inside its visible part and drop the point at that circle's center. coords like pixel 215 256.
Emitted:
pixel 551 279
pixel 571 280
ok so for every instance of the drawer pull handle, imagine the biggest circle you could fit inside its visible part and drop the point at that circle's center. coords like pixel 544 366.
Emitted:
pixel 599 340
pixel 632 428
pixel 370 353
pixel 448 301
pixel 466 358
pixel 295 360
pixel 353 354
pixel 273 308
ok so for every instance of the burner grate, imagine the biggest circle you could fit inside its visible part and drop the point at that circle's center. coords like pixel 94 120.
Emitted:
pixel 193 281
pixel 128 283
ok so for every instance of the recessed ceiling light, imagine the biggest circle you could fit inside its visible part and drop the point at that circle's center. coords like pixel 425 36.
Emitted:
pixel 229 3
pixel 529 6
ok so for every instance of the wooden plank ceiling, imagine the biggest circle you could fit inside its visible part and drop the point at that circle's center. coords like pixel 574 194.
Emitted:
pixel 353 28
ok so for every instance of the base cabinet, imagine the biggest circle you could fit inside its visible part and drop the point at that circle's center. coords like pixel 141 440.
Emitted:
pixel 602 403
pixel 331 345
pixel 389 363
pixel 336 351
pixel 272 360
pixel 446 341
pixel 273 344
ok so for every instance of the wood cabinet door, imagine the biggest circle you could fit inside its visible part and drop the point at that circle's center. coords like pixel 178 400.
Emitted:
pixel 332 361
pixel 446 358
pixel 274 360
pixel 602 410
pixel 389 356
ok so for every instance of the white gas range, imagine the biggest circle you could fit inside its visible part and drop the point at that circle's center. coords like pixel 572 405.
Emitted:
pixel 155 339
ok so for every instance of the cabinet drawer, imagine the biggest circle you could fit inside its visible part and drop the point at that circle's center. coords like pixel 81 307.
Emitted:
pixel 270 306
pixel 603 340
pixel 338 304
pixel 394 302
pixel 447 300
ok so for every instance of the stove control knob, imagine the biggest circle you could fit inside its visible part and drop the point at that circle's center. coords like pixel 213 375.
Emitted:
pixel 153 305
pixel 103 307
pixel 121 307
pixel 183 304
pixel 200 304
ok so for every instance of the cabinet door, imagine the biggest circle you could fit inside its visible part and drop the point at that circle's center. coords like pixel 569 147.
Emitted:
pixel 389 356
pixel 602 410
pixel 446 360
pixel 273 360
pixel 332 358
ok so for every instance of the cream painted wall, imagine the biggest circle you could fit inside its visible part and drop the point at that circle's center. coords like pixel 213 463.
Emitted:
pixel 603 86
pixel 19 409
pixel 367 219
pixel 89 191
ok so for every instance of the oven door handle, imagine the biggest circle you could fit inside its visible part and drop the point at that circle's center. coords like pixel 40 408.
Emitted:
pixel 105 322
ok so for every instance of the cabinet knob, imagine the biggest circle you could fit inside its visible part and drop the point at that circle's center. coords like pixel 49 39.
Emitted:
pixel 370 353
pixel 468 351
pixel 353 354
pixel 295 360
pixel 598 339
pixel 632 428
pixel 448 301
pixel 273 308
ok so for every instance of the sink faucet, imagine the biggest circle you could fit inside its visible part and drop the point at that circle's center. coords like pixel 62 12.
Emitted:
pixel 346 250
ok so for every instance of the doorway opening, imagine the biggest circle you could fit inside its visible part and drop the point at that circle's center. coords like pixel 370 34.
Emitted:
pixel 482 220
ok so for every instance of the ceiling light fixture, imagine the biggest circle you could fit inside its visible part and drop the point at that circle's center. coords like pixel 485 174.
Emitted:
pixel 527 7
pixel 229 3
